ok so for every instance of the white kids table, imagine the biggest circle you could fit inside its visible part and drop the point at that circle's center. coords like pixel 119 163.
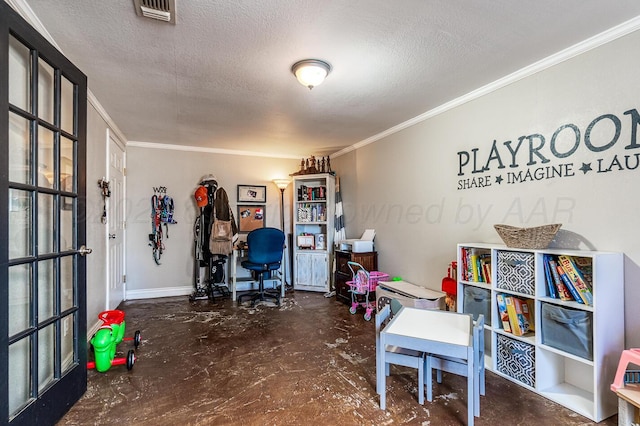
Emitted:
pixel 430 331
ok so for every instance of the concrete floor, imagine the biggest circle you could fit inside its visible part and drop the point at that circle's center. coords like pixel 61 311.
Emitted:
pixel 307 362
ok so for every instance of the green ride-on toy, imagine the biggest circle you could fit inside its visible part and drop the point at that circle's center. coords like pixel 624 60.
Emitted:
pixel 104 342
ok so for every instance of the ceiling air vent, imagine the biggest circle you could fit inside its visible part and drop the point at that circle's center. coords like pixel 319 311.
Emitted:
pixel 162 10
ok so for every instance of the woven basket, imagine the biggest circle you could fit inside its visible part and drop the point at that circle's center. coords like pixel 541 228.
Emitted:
pixel 538 237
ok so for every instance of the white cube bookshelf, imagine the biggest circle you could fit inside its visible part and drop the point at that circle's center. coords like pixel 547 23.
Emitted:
pixel 576 382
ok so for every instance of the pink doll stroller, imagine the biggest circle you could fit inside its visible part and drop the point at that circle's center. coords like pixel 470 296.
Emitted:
pixel 361 287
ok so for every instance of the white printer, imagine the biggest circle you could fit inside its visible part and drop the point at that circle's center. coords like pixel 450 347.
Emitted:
pixel 363 244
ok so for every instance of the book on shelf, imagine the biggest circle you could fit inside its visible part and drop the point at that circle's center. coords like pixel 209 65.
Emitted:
pixel 466 269
pixel 502 311
pixel 306 193
pixel 569 285
pixel 522 314
pixel 531 304
pixel 475 261
pixel 577 279
pixel 485 266
pixel 551 285
pixel 563 292
pixel 518 312
pixel 476 266
pixel 463 263
pixel 584 264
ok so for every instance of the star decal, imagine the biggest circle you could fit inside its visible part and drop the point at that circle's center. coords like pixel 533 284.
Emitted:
pixel 499 179
pixel 586 167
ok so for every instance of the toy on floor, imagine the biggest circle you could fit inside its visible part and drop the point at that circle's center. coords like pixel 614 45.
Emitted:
pixel 104 342
pixel 361 286
pixel 628 356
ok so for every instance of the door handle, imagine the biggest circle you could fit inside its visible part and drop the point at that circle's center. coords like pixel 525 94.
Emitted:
pixel 112 236
pixel 84 250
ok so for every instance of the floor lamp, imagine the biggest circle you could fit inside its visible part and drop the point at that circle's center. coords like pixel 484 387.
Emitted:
pixel 282 185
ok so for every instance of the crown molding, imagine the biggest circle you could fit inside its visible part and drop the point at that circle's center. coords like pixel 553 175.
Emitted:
pixel 584 46
pixel 28 15
pixel 173 147
pixel 91 98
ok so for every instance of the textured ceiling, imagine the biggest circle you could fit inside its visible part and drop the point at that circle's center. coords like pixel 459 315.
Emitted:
pixel 220 77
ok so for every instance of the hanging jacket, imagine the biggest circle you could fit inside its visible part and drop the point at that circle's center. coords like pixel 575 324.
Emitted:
pixel 222 213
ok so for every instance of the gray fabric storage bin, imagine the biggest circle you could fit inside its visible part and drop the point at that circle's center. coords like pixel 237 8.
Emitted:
pixel 515 272
pixel 570 330
pixel 477 301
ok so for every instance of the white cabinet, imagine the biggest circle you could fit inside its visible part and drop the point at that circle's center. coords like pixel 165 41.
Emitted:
pixel 312 271
pixel 571 355
pixel 313 230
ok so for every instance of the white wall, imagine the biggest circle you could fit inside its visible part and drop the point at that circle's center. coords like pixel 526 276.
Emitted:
pixel 96 234
pixel 405 186
pixel 99 126
pixel 180 172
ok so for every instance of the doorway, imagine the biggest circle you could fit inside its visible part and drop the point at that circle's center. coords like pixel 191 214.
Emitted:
pixel 43 347
pixel 115 222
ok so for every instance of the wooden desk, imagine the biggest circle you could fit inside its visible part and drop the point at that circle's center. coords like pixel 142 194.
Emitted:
pixel 236 257
pixel 433 331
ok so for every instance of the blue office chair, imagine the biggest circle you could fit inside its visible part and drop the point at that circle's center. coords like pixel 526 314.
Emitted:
pixel 264 257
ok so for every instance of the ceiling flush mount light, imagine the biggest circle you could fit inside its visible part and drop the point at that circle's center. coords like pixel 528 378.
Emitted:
pixel 311 72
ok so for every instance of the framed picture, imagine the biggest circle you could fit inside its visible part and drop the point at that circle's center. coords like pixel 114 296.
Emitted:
pixel 252 194
pixel 305 241
pixel 250 218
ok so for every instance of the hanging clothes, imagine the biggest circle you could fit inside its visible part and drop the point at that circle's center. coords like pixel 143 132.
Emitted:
pixel 205 195
pixel 224 230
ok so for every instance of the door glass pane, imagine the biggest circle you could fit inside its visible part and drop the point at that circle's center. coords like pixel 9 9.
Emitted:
pixel 45 223
pixel 45 157
pixel 66 106
pixel 45 91
pixel 20 227
pixel 66 283
pixel 46 352
pixel 19 74
pixel 45 289
pixel 19 150
pixel 19 298
pixel 67 165
pixel 67 354
pixel 19 375
pixel 66 224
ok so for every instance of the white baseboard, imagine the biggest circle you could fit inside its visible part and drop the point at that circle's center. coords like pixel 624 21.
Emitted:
pixel 93 329
pixel 152 293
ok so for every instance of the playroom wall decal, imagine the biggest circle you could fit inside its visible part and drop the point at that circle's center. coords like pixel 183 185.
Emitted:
pixel 531 154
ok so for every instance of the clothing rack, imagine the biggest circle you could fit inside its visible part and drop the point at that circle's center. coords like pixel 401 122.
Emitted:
pixel 209 277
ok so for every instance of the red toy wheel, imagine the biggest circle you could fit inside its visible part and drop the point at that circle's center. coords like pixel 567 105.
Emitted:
pixel 131 359
pixel 136 339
